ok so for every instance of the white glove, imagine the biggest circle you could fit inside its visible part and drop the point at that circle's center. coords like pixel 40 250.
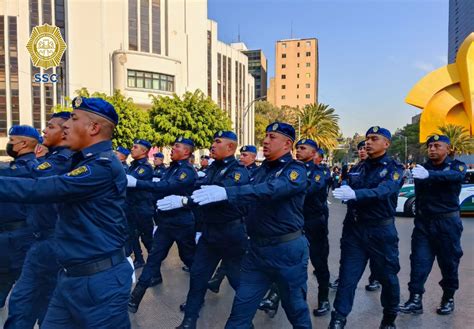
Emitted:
pixel 197 237
pixel 170 202
pixel 155 179
pixel 208 194
pixel 131 181
pixel 344 193
pixel 419 172
pixel 201 174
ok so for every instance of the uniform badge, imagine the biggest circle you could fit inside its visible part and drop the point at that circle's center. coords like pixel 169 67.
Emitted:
pixel 78 101
pixel 219 133
pixel 180 139
pixel 303 141
pixel 79 172
pixel 436 137
pixel 244 148
pixel 395 175
pixel 461 168
pixel 375 129
pixel 317 178
pixel 237 176
pixel 275 127
pixel 293 175
pixel 182 176
pixel 44 166
pixel 141 171
pixel 383 173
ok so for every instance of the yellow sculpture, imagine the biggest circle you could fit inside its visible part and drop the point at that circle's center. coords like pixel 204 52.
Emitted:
pixel 446 95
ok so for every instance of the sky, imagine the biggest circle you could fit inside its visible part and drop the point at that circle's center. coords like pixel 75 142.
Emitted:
pixel 371 52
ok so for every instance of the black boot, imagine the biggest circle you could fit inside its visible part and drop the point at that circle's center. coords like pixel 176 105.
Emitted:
pixel 156 281
pixel 138 264
pixel 373 285
pixel 446 307
pixel 388 321
pixel 136 297
pixel 413 305
pixel 270 303
pixel 323 308
pixel 337 321
pixel 188 323
pixel 214 283
pixel 335 284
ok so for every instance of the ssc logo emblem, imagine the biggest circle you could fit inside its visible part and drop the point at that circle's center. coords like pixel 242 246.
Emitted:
pixel 46 46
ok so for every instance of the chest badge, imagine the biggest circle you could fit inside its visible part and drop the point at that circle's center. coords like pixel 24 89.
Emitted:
pixel 237 176
pixel 383 173
pixel 44 166
pixel 317 178
pixel 182 176
pixel 461 168
pixel 78 172
pixel 395 175
pixel 141 171
pixel 293 175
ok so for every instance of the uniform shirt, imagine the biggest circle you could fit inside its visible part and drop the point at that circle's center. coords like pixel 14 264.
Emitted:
pixel 439 193
pixel 275 197
pixel 125 166
pixel 226 173
pixel 20 167
pixel 179 179
pixel 315 203
pixel 159 171
pixel 251 168
pixel 91 221
pixel 376 184
pixel 140 202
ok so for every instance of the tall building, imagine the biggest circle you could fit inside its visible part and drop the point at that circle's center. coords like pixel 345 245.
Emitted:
pixel 461 24
pixel 139 47
pixel 296 72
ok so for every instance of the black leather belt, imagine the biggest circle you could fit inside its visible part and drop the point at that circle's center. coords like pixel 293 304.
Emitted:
pixel 447 215
pixel 374 222
pixel 263 241
pixel 12 226
pixel 97 266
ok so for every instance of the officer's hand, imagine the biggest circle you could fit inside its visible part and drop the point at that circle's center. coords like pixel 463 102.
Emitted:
pixel 170 202
pixel 344 193
pixel 131 181
pixel 155 179
pixel 208 194
pixel 419 172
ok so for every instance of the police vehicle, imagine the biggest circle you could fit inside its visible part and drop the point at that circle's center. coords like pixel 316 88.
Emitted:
pixel 406 197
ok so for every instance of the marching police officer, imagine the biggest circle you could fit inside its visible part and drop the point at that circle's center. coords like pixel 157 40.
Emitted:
pixel 278 249
pixel 369 230
pixel 438 227
pixel 15 235
pixel 140 206
pixel 32 292
pixel 248 155
pixel 160 168
pixel 122 154
pixel 223 230
pixel 91 230
pixel 174 226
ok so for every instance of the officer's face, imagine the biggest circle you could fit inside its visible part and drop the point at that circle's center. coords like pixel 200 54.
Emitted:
pixel 157 161
pixel 204 162
pixel 80 130
pixel 376 145
pixel 305 153
pixel 179 152
pixel 53 134
pixel 362 153
pixel 122 157
pixel 276 145
pixel 138 151
pixel 317 159
pixel 438 151
pixel 222 148
pixel 247 158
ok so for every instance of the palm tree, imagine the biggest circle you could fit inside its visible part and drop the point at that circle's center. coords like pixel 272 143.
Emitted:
pixel 320 123
pixel 461 141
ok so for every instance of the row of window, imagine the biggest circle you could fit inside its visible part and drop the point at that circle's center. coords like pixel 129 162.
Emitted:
pixel 307 96
pixel 150 80
pixel 308 75
pixel 308 44
pixel 308 64
pixel 307 85
pixel 308 54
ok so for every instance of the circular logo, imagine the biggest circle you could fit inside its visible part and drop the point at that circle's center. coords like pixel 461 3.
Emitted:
pixel 220 133
pixel 375 129
pixel 180 139
pixel 46 46
pixel 244 148
pixel 303 141
pixel 78 101
pixel 436 137
pixel 275 127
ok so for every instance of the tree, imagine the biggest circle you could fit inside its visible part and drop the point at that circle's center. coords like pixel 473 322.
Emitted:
pixel 266 113
pixel 415 150
pixel 461 141
pixel 321 123
pixel 194 115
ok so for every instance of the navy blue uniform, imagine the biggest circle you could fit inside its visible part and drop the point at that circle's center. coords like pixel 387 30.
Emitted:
pixel 173 226
pixel 31 295
pixel 278 251
pixel 159 171
pixel 438 226
pixel 369 232
pixel 251 168
pixel 140 209
pixel 316 226
pixel 15 236
pixel 91 230
pixel 223 234
pixel 125 166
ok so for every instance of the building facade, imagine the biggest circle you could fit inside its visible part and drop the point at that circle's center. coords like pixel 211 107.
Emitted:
pixel 139 47
pixel 461 24
pixel 296 72
pixel 257 68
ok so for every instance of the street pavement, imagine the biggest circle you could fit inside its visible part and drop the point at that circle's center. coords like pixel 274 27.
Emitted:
pixel 160 306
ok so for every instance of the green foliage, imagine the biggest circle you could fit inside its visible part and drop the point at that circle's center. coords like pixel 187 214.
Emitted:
pixel 265 113
pixel 193 115
pixel 461 141
pixel 415 151
pixel 320 123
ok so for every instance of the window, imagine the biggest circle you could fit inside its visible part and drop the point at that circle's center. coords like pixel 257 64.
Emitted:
pixel 283 86
pixel 308 85
pixel 308 64
pixel 297 75
pixel 308 75
pixel 297 96
pixel 283 55
pixel 155 27
pixel 132 25
pixel 297 64
pixel 308 53
pixel 297 86
pixel 283 97
pixel 297 54
pixel 283 76
pixel 298 44
pixel 283 45
pixel 283 66
pixel 308 43
pixel 144 25
pixel 308 96
pixel 150 80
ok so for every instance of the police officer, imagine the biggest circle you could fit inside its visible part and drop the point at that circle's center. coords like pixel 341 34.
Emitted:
pixel 122 154
pixel 223 230
pixel 15 235
pixel 174 226
pixel 369 230
pixel 91 229
pixel 31 295
pixel 278 249
pixel 248 155
pixel 140 206
pixel 438 227
pixel 160 168
pixel 318 160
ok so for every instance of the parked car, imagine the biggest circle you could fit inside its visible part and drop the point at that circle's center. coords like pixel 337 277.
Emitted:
pixel 406 197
